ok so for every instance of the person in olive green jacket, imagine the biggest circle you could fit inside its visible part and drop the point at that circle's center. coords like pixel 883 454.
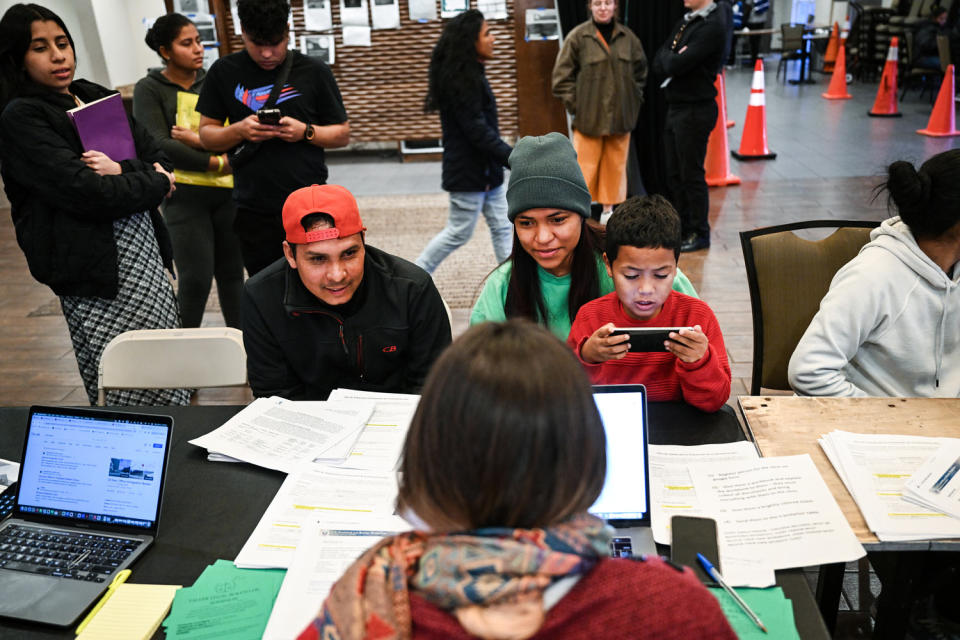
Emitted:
pixel 599 75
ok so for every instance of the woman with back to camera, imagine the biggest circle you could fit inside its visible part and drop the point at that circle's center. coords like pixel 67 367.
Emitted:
pixel 473 153
pixel 557 261
pixel 87 225
pixel 888 324
pixel 200 214
pixel 599 75
pixel 505 454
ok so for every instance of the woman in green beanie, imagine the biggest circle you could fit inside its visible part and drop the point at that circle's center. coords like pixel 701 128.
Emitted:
pixel 556 265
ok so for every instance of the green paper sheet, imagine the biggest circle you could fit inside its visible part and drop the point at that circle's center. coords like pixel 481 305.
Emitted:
pixel 770 605
pixel 224 602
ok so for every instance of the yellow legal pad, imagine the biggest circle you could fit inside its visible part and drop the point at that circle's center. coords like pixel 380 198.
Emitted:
pixel 133 611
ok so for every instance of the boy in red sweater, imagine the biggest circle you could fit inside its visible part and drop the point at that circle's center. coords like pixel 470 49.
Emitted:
pixel 643 246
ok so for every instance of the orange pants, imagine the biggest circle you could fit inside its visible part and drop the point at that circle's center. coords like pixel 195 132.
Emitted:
pixel 603 161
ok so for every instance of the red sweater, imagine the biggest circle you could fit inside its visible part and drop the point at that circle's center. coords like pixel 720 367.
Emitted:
pixel 704 384
pixel 619 598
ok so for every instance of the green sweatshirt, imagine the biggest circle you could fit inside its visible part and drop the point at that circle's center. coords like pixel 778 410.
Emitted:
pixel 490 305
pixel 155 107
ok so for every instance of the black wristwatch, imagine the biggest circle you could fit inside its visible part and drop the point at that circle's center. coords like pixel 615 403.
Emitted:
pixel 308 133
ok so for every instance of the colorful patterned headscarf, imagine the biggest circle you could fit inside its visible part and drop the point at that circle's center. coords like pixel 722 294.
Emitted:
pixel 482 567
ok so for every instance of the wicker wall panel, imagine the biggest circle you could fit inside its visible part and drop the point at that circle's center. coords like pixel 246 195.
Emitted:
pixel 384 85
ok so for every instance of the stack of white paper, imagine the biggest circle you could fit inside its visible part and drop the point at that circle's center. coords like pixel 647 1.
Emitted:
pixel 350 494
pixel 381 441
pixel 875 469
pixel 327 549
pixel 936 484
pixel 285 435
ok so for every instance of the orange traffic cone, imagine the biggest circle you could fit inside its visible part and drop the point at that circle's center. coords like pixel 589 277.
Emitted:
pixel 717 164
pixel 722 92
pixel 942 121
pixel 830 57
pixel 885 106
pixel 753 144
pixel 838 82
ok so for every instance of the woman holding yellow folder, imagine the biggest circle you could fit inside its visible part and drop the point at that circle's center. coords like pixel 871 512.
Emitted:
pixel 200 214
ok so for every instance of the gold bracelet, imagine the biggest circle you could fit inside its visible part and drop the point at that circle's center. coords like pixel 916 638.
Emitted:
pixel 219 164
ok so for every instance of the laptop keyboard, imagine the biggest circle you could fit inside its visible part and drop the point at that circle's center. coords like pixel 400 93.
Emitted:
pixel 6 502
pixel 64 554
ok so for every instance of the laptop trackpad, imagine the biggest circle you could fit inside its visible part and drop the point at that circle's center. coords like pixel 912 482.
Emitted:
pixel 632 541
pixel 44 599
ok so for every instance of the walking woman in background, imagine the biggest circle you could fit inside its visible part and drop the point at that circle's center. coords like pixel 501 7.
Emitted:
pixel 599 75
pixel 88 225
pixel 504 546
pixel 473 153
pixel 200 214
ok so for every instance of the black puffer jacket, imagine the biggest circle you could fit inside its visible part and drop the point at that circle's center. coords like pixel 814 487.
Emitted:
pixel 62 210
pixel 384 339
pixel 473 153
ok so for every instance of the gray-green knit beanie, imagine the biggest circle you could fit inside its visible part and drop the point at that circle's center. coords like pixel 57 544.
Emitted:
pixel 544 174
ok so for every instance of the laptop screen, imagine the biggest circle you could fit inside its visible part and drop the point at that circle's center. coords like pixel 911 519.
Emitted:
pixel 625 494
pixel 94 467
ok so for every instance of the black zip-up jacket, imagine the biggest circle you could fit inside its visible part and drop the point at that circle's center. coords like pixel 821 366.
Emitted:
pixel 384 339
pixel 473 153
pixel 62 210
pixel 695 70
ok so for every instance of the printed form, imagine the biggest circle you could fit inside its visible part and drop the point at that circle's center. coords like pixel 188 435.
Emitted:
pixel 328 548
pixel 777 511
pixel 350 494
pixel 285 435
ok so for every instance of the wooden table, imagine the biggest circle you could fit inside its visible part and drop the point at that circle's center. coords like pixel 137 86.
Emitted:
pixel 789 425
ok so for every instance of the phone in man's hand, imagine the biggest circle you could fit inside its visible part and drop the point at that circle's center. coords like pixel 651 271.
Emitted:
pixel 269 116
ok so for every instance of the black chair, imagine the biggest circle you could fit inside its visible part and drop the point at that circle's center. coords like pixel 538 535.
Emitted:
pixel 911 75
pixel 792 46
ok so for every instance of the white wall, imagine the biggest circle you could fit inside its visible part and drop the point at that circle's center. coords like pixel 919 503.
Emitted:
pixel 108 36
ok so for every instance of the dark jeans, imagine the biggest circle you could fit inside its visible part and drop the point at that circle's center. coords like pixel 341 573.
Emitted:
pixel 261 238
pixel 686 131
pixel 200 221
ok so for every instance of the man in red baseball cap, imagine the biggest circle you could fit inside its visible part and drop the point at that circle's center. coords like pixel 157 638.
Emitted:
pixel 335 312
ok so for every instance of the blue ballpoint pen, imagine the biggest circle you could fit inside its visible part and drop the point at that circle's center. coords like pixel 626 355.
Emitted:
pixel 713 573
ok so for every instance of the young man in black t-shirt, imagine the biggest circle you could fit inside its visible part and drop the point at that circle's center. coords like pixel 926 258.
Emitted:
pixel 290 155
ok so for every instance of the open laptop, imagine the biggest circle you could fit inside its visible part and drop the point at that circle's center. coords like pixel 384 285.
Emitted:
pixel 625 500
pixel 88 505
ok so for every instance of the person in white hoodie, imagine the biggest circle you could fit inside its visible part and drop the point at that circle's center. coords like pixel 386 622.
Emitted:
pixel 890 323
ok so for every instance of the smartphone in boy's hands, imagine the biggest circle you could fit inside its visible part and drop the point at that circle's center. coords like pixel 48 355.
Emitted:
pixel 647 339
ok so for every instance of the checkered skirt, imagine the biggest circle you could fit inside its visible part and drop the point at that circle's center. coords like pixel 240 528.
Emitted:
pixel 144 300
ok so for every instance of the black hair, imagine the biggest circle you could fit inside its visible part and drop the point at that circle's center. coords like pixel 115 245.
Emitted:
pixel 455 69
pixel 524 297
pixel 15 35
pixel 316 219
pixel 165 30
pixel 528 449
pixel 937 11
pixel 927 199
pixel 264 21
pixel 645 222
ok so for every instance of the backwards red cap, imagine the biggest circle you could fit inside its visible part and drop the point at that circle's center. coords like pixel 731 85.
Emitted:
pixel 330 199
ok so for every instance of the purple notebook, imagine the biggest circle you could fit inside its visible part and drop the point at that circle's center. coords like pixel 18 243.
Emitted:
pixel 103 127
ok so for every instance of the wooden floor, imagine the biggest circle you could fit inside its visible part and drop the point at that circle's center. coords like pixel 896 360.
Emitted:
pixel 816 139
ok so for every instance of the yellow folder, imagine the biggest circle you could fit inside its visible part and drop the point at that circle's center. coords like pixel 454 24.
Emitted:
pixel 189 118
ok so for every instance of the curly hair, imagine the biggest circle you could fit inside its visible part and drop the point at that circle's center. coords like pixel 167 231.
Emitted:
pixel 646 222
pixel 455 69
pixel 264 21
